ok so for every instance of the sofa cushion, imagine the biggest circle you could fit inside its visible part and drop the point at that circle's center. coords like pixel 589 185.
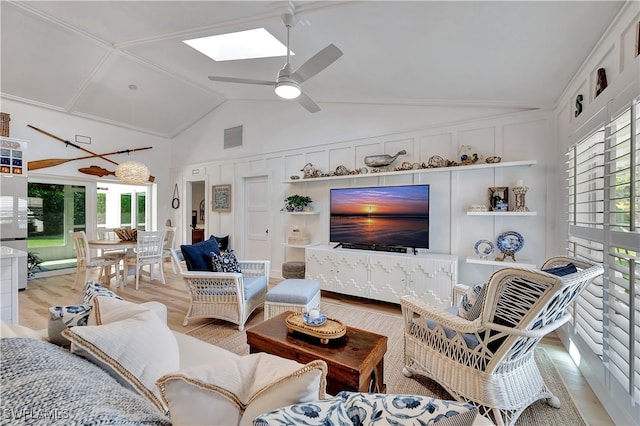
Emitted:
pixel 107 310
pixel 41 379
pixel 355 408
pixel 17 330
pixel 198 256
pixel 253 286
pixel 136 351
pixel 240 388
pixel 225 262
pixel 63 317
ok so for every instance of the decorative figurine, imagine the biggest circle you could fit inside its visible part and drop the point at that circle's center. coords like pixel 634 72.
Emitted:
pixel 382 159
pixel 520 191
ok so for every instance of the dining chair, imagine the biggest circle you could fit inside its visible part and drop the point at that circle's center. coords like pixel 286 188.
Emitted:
pixel 168 245
pixel 149 252
pixel 86 262
pixel 109 234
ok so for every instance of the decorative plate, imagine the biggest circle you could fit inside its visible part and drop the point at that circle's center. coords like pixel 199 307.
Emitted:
pixel 510 242
pixel 484 248
pixel 314 322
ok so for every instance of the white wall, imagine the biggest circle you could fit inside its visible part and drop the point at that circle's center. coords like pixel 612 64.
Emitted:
pixel 104 138
pixel 280 138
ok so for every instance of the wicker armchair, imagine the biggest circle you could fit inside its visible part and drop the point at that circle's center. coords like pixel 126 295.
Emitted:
pixel 489 361
pixel 225 295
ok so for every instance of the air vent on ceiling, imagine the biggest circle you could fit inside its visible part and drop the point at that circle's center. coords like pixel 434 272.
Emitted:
pixel 233 137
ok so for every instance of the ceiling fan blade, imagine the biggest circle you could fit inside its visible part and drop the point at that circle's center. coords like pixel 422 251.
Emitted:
pixel 308 103
pixel 317 63
pixel 241 80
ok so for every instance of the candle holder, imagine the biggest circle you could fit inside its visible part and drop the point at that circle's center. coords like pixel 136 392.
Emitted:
pixel 520 192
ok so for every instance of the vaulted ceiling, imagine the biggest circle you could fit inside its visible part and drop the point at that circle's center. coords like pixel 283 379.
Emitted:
pixel 80 57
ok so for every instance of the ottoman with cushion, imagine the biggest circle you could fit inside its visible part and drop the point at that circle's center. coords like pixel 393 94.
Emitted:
pixel 292 295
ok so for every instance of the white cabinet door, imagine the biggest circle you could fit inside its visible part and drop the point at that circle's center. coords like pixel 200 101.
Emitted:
pixel 388 277
pixel 321 266
pixel 432 280
pixel 351 273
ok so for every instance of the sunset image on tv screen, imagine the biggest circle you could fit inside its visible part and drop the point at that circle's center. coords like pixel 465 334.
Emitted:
pixel 392 215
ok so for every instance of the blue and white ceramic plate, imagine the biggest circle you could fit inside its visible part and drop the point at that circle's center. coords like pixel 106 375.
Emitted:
pixel 484 248
pixel 510 241
pixel 315 322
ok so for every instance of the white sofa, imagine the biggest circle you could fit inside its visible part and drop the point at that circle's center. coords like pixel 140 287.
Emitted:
pixel 129 368
pixel 126 367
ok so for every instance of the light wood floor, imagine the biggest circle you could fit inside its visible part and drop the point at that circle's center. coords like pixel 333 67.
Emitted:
pixel 43 293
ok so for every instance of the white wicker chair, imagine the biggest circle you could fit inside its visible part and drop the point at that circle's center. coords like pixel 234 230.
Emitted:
pixel 499 374
pixel 221 294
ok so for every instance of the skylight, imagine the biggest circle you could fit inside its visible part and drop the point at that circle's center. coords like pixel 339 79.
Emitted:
pixel 257 43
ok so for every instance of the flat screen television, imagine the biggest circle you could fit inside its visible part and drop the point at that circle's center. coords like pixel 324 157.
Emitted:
pixel 381 216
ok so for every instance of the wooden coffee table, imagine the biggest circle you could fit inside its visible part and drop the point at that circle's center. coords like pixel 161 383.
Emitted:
pixel 355 362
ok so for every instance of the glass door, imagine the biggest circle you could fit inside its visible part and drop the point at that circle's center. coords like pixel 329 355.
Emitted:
pixel 53 211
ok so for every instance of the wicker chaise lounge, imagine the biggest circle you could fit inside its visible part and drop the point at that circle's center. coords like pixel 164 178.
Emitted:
pixel 489 361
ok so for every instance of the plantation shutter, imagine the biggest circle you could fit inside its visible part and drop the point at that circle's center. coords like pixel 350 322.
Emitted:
pixel 604 227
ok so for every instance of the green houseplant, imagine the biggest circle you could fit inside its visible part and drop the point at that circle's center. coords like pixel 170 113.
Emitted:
pixel 33 264
pixel 296 202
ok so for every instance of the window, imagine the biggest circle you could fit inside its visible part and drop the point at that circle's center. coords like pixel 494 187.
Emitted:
pixel 604 226
pixel 56 207
pixel 54 210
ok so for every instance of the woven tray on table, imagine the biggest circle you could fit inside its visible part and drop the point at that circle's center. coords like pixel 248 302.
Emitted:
pixel 331 329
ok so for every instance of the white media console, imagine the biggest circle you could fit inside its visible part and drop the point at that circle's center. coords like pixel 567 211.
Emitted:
pixel 383 276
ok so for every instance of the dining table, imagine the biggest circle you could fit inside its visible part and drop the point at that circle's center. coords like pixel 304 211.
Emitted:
pixel 127 245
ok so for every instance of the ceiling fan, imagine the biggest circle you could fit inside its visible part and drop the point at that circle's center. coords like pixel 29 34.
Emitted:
pixel 287 84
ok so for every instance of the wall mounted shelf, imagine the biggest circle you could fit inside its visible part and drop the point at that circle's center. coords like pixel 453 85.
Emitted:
pixel 299 245
pixel 301 213
pixel 469 213
pixel 519 264
pixel 431 170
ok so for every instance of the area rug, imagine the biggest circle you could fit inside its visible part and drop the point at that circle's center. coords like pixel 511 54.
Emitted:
pixel 226 335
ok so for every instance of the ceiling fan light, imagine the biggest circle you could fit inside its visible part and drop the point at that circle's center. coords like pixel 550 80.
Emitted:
pixel 288 90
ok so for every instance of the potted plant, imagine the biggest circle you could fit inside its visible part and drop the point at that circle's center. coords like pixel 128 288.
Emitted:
pixel 296 202
pixel 33 264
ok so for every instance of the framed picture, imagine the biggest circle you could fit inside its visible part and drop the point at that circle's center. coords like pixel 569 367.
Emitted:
pixel 221 196
pixel 638 39
pixel 499 198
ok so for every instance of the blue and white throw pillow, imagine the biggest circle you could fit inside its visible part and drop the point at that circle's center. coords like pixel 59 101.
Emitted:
pixel 63 317
pixel 225 262
pixel 470 305
pixel 93 289
pixel 355 408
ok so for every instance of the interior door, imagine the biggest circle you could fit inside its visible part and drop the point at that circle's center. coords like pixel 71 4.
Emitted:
pixel 257 218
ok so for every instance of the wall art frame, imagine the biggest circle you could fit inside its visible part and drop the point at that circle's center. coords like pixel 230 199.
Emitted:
pixel 638 39
pixel 499 198
pixel 221 198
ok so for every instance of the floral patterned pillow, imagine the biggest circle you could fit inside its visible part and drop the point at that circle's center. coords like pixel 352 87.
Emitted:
pixel 225 262
pixel 355 408
pixel 63 317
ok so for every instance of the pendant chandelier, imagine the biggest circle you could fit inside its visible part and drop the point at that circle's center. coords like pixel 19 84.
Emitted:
pixel 132 172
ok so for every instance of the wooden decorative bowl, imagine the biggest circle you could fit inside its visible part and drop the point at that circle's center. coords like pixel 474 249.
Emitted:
pixel 126 234
pixel 331 329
